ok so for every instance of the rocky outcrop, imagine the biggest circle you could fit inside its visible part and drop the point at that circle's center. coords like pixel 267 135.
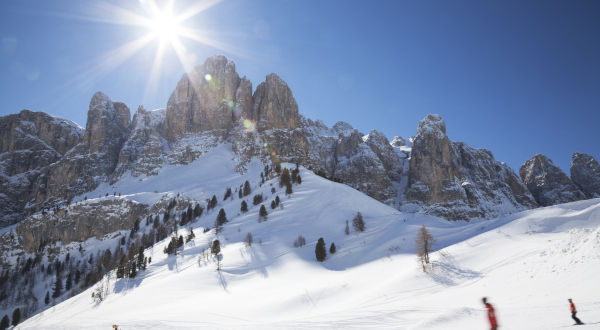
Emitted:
pixel 89 163
pixel 78 222
pixel 205 100
pixel 274 106
pixel 398 141
pixel 359 161
pixel 548 184
pixel 585 173
pixel 143 152
pixel 457 182
pixel 29 143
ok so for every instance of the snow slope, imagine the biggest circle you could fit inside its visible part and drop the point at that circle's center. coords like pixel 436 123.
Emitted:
pixel 528 264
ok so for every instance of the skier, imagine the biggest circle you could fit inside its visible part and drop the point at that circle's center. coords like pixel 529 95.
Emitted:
pixel 573 312
pixel 491 314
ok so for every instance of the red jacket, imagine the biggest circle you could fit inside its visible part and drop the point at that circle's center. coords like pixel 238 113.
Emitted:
pixel 573 310
pixel 491 315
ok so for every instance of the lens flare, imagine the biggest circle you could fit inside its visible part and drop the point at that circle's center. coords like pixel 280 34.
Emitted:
pixel 249 125
pixel 208 77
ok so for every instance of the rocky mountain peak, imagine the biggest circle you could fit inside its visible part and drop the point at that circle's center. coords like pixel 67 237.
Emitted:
pixel 457 182
pixel 274 106
pixel 106 123
pixel 585 173
pixel 432 124
pixel 398 141
pixel 204 100
pixel 340 126
pixel 548 184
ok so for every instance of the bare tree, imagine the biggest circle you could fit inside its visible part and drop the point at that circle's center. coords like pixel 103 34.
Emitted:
pixel 424 243
pixel 248 240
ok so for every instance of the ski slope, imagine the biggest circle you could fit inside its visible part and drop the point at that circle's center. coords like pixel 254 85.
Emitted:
pixel 528 264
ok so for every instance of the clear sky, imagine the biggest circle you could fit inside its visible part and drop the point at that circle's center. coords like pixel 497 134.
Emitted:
pixel 515 77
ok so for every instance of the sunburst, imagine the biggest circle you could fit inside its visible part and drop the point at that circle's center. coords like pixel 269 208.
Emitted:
pixel 163 24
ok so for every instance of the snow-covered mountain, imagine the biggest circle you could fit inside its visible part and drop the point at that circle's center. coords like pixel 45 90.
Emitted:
pixel 76 201
pixel 372 281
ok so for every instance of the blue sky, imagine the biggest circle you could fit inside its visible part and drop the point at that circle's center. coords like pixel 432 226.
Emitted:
pixel 515 77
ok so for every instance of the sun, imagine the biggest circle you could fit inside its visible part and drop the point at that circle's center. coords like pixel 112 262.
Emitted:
pixel 164 22
pixel 164 26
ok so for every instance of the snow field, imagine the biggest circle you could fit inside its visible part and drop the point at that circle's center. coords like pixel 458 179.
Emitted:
pixel 528 264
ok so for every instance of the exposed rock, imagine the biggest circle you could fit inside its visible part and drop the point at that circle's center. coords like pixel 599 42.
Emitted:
pixel 89 163
pixel 29 143
pixel 77 223
pixel 398 141
pixel 205 100
pixel 457 182
pixel 274 106
pixel 585 173
pixel 386 154
pixel 548 184
pixel 357 160
pixel 143 152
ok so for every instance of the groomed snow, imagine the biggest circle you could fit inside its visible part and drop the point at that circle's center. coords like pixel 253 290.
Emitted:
pixel 528 264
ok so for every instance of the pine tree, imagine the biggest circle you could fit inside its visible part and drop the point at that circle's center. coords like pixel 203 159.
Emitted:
pixel 190 236
pixel 69 282
pixel 247 189
pixel 240 194
pixel 221 218
pixel 198 210
pixel 5 323
pixel 244 207
pixel 47 298
pixel 77 276
pixel 321 250
pixel 16 319
pixel 213 202
pixel 263 213
pixel 180 241
pixel 277 200
pixel 273 204
pixel 332 249
pixel 424 242
pixel 299 179
pixel 284 179
pixel 358 223
pixel 347 229
pixel 121 268
pixel 133 272
pixel 215 247
pixel 278 168
pixel 140 257
pixel 58 286
pixel 288 189
pixel 227 194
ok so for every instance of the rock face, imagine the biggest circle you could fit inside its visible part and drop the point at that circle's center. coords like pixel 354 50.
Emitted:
pixel 585 173
pixel 548 184
pixel 77 223
pixel 212 106
pixel 143 152
pixel 29 143
pixel 92 161
pixel 367 163
pixel 204 100
pixel 274 106
pixel 457 182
